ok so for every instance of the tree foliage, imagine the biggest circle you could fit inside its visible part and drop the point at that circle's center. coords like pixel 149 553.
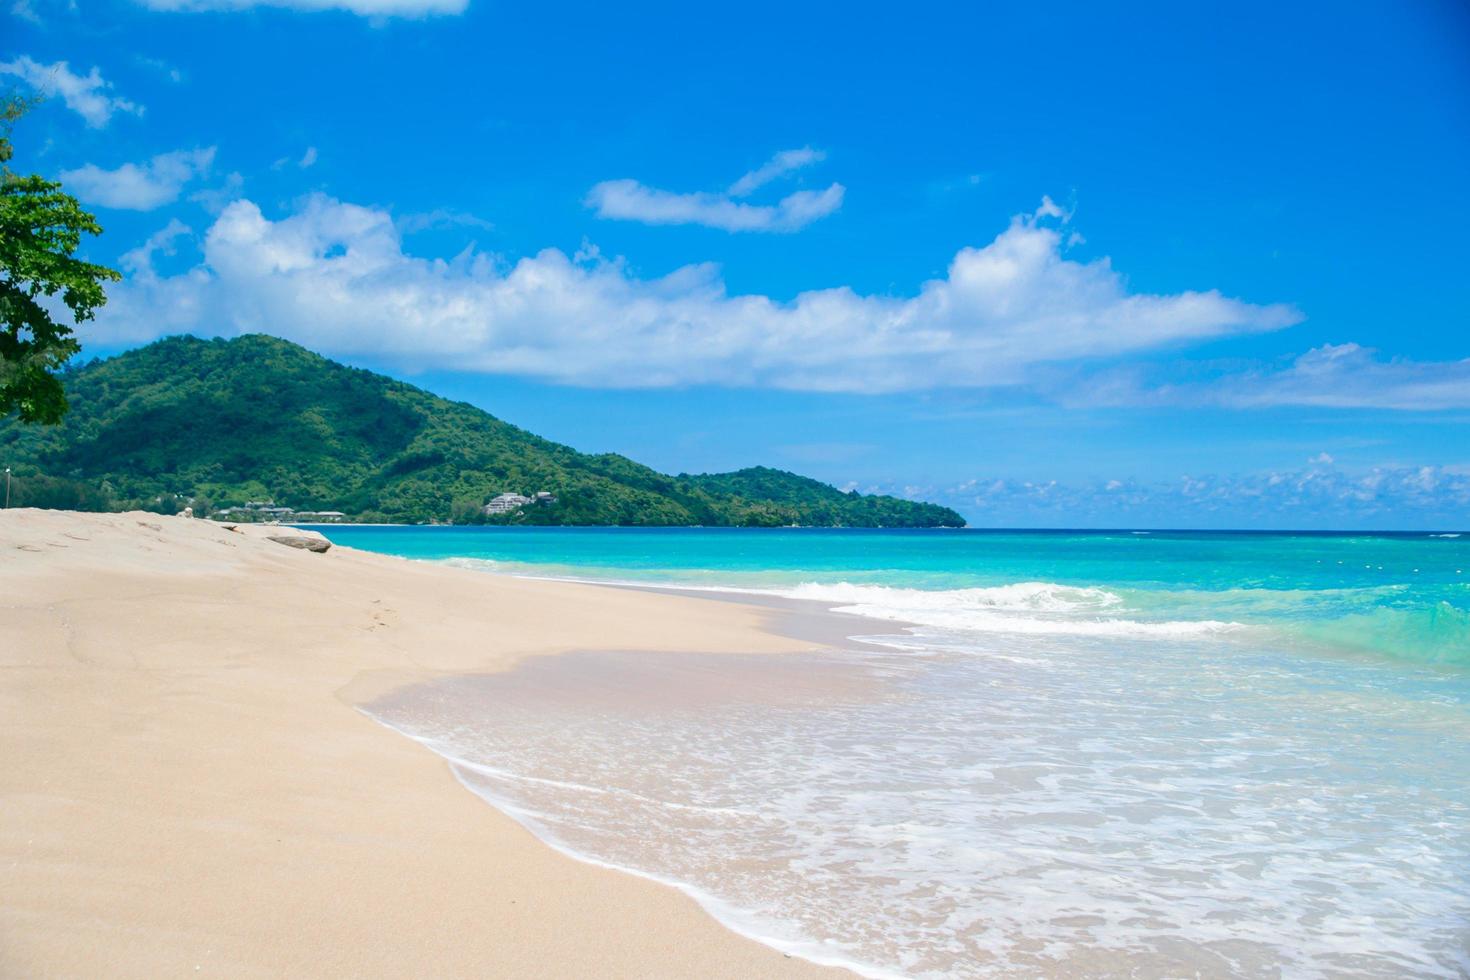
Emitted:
pixel 41 228
pixel 257 418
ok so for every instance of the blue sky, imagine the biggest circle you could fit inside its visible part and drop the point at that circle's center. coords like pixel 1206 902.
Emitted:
pixel 1059 265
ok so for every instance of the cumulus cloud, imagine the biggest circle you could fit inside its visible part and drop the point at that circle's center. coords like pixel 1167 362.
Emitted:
pixel 411 9
pixel 139 186
pixel 89 96
pixel 335 277
pixel 630 200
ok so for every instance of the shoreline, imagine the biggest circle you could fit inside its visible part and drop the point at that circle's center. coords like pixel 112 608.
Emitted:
pixel 1448 532
pixel 191 784
pixel 720 911
pixel 808 621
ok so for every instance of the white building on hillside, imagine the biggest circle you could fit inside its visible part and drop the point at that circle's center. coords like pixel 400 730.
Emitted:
pixel 505 503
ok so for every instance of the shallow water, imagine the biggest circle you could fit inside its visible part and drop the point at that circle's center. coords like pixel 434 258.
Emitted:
pixel 1122 776
pixel 1401 595
pixel 930 813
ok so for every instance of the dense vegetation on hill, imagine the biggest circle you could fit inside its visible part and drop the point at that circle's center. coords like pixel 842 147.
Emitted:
pixel 216 423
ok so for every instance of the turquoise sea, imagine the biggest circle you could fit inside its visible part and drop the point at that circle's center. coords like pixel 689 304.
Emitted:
pixel 1088 754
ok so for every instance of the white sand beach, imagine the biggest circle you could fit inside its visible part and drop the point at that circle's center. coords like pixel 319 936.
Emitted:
pixel 187 787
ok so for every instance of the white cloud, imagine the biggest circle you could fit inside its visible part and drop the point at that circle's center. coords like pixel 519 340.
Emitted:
pixel 162 67
pixel 1330 376
pixel 138 262
pixel 24 10
pixel 139 187
pixel 335 277
pixel 630 200
pixel 1320 495
pixel 783 163
pixel 441 218
pixel 307 158
pixel 86 95
pixel 1349 376
pixel 216 199
pixel 1051 209
pixel 366 8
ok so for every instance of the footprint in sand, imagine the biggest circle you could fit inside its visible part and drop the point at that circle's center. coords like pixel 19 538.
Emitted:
pixel 382 618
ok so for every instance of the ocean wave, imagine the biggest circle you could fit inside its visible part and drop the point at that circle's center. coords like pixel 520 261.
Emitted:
pixel 1047 597
pixel 1395 620
pixel 476 564
pixel 1035 608
pixel 1025 608
pixel 1435 633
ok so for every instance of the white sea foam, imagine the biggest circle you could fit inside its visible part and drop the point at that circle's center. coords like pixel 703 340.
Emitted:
pixel 1020 608
pixel 475 564
pixel 1107 809
pixel 503 789
pixel 1031 608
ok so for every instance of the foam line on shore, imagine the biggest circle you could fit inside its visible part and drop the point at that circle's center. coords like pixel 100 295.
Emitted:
pixel 730 916
pixel 1033 608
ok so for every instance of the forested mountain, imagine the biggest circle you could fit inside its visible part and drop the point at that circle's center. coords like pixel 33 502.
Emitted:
pixel 217 423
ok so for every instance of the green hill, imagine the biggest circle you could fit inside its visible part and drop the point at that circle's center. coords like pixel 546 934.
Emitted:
pixel 219 423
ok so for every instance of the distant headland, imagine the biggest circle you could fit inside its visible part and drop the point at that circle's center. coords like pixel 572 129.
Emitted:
pixel 257 428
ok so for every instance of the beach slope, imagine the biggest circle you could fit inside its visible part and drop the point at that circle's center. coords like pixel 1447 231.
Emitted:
pixel 187 786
